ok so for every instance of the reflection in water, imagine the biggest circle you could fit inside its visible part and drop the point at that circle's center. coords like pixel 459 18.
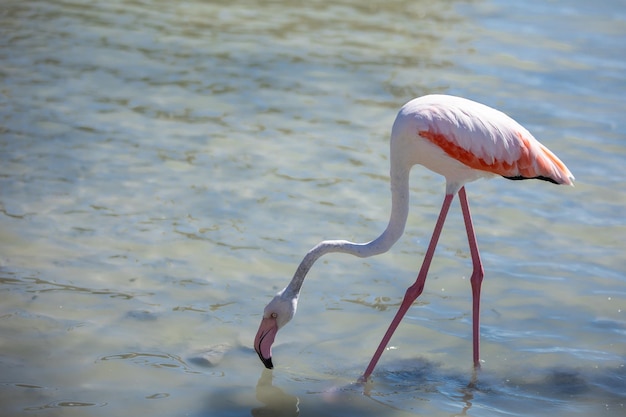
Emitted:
pixel 467 393
pixel 362 399
pixel 533 392
pixel 467 396
pixel 425 378
pixel 436 390
pixel 277 402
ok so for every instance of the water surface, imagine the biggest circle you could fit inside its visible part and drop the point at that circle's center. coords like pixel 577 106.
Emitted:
pixel 165 165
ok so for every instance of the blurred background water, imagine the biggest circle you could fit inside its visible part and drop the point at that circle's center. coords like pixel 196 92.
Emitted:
pixel 165 165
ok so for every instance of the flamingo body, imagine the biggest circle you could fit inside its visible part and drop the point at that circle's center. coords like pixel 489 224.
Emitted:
pixel 464 140
pixel 460 139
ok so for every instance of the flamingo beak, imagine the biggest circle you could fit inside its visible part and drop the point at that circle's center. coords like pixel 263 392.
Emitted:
pixel 264 339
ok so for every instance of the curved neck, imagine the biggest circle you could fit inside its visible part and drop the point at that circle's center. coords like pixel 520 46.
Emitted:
pixel 395 228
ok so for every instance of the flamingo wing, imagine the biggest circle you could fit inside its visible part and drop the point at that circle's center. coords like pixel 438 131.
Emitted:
pixel 486 139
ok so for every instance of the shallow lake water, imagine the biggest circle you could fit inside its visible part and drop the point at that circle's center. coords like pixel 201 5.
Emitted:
pixel 164 166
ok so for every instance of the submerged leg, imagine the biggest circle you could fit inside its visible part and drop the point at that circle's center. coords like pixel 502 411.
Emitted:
pixel 477 275
pixel 414 290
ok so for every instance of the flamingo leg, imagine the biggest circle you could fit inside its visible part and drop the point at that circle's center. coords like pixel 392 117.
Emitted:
pixel 414 290
pixel 477 274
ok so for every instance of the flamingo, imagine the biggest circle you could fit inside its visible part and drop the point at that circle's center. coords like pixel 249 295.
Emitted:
pixel 460 139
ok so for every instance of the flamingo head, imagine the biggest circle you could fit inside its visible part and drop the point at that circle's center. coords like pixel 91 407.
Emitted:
pixel 277 313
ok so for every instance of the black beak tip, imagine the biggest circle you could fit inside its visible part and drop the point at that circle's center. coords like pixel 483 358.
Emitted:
pixel 268 363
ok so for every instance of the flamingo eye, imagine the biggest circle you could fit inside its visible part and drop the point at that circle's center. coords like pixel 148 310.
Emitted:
pixel 274 315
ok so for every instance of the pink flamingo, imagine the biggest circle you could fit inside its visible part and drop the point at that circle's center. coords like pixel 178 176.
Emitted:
pixel 459 139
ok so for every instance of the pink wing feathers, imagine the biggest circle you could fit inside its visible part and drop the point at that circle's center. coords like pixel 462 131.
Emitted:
pixel 486 139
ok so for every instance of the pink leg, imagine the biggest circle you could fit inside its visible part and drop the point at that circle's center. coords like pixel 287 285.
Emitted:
pixel 414 290
pixel 477 275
